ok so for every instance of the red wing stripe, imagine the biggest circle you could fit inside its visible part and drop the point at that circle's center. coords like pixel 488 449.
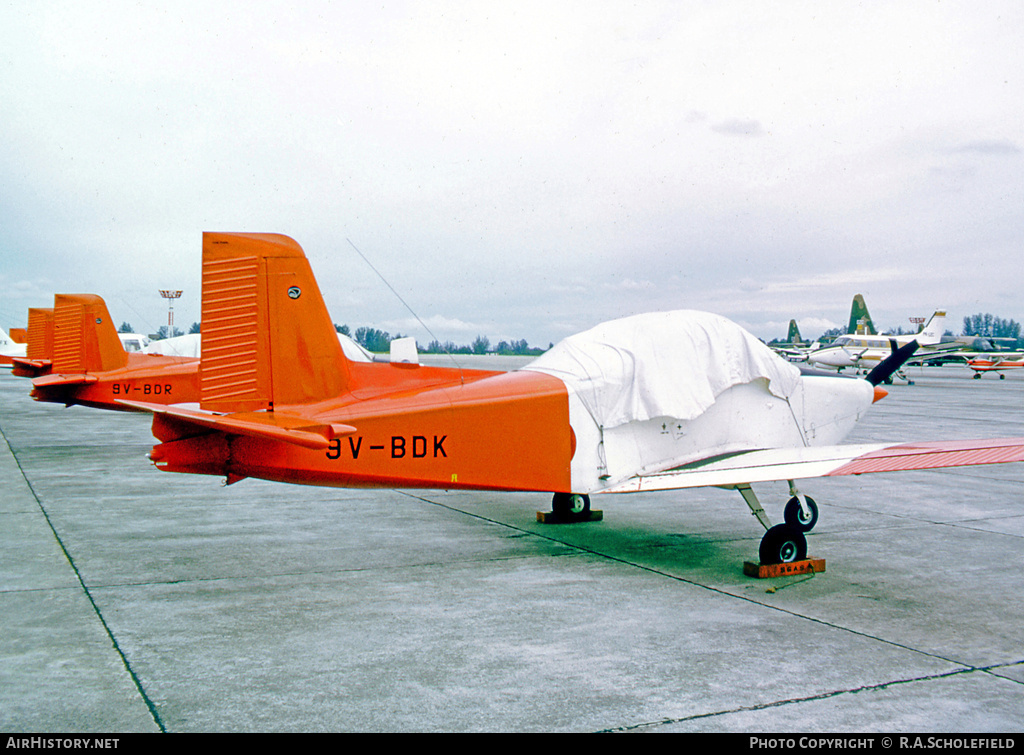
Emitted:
pixel 936 455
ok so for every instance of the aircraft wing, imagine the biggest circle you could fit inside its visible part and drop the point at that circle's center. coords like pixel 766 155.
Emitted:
pixel 276 426
pixel 825 461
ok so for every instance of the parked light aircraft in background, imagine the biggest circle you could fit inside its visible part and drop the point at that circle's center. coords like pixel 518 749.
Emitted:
pixel 88 365
pixel 797 350
pixel 75 356
pixel 659 401
pixel 867 351
pixel 794 348
pixel 997 363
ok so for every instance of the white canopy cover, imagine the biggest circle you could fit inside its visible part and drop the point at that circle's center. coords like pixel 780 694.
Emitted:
pixel 178 346
pixel 662 364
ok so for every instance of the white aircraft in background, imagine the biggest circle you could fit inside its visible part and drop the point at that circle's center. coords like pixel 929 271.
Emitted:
pixel 794 348
pixel 868 351
pixel 133 342
pixel 191 346
pixel 9 349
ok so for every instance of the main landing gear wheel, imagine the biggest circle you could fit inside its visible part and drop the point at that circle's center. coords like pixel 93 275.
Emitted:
pixel 570 505
pixel 795 516
pixel 783 544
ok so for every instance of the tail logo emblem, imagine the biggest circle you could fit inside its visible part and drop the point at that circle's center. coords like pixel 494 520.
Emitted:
pixel 294 292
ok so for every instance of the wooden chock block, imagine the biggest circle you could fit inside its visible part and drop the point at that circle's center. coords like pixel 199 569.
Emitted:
pixel 762 571
pixel 550 517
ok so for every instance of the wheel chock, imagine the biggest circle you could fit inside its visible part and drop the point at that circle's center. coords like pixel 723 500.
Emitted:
pixel 550 517
pixel 762 571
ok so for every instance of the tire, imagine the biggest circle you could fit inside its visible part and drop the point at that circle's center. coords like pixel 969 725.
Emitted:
pixel 783 544
pixel 570 505
pixel 794 515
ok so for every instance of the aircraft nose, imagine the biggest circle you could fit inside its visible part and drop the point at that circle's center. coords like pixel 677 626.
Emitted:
pixel 880 393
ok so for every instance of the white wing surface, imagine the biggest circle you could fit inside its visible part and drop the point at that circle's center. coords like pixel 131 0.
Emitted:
pixel 826 461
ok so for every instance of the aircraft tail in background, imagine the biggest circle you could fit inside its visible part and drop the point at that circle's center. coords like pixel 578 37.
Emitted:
pixel 933 330
pixel 84 336
pixel 40 333
pixel 860 320
pixel 794 333
pixel 38 359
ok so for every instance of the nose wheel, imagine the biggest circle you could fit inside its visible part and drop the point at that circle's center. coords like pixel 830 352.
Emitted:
pixel 802 515
pixel 570 505
pixel 784 543
pixel 569 508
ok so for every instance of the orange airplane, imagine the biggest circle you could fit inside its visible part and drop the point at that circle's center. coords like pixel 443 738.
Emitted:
pixel 661 401
pixel 76 357
pixel 996 363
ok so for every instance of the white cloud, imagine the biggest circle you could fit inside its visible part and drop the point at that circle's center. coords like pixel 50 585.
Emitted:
pixel 524 168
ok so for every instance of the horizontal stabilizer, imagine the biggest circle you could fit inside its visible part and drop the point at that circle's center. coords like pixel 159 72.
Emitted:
pixel 26 367
pixel 826 461
pixel 275 426
pixel 56 381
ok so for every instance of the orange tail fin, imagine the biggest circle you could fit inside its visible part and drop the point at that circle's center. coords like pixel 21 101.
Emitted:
pixel 84 336
pixel 268 339
pixel 40 333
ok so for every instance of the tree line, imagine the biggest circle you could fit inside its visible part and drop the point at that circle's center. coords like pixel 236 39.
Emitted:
pixel 988 326
pixel 162 332
pixel 379 341
pixel 982 325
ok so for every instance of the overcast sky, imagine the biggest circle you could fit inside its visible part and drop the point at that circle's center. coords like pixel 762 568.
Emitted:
pixel 521 169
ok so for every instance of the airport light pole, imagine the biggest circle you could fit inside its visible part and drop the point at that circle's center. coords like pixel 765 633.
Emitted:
pixel 170 296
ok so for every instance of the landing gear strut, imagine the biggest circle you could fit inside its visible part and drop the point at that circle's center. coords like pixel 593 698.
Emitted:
pixel 784 543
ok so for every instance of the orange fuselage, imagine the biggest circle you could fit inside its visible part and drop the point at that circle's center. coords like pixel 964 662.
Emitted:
pixel 146 377
pixel 417 427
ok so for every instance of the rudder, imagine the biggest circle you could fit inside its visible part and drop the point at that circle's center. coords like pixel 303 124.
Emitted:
pixel 84 336
pixel 794 333
pixel 267 336
pixel 933 330
pixel 859 318
pixel 40 333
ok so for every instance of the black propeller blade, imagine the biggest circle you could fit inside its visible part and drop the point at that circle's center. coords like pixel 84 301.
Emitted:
pixel 891 363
